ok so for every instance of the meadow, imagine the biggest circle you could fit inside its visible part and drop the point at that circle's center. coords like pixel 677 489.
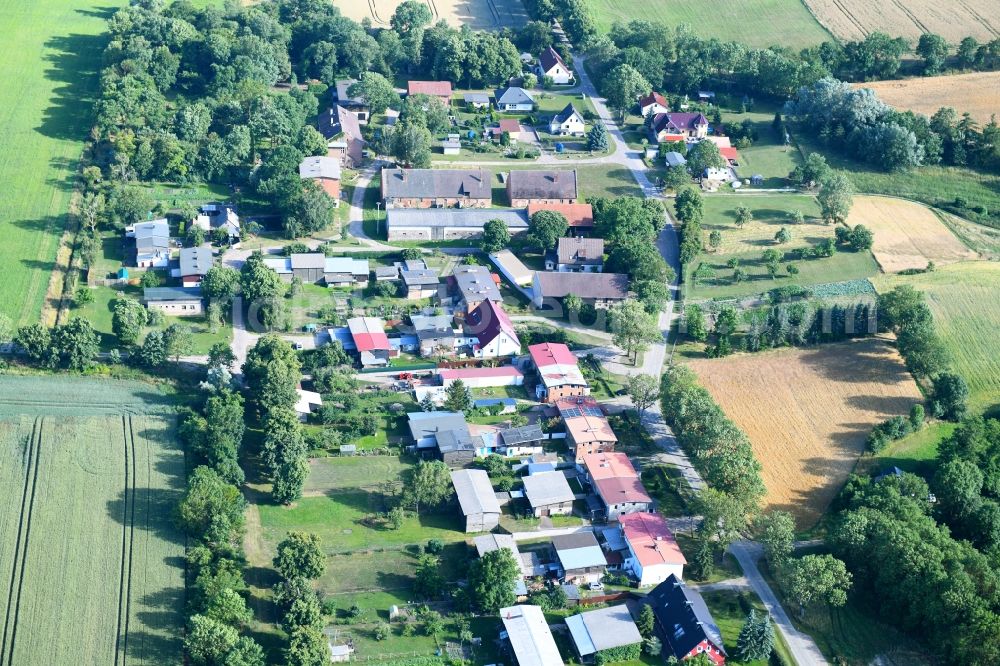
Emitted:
pixel 977 93
pixel 854 19
pixel 908 235
pixel 89 494
pixel 965 300
pixel 808 412
pixel 754 22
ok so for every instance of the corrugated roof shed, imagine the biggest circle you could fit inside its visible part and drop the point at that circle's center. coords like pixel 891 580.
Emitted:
pixel 474 492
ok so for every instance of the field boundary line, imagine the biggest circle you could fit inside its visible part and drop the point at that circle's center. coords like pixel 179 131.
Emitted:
pixel 21 548
pixel 125 576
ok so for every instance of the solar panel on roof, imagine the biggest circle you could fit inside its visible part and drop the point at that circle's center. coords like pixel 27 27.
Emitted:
pixel 581 410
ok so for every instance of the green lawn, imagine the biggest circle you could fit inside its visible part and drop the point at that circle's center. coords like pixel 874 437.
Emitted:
pixel 965 300
pixel 753 22
pixel 730 609
pixel 917 452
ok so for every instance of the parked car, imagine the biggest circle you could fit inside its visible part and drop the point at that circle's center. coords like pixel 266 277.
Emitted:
pixel 597 586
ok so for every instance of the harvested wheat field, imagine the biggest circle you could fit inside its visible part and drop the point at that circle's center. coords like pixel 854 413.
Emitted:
pixel 853 19
pixel 977 93
pixel 477 14
pixel 907 234
pixel 808 412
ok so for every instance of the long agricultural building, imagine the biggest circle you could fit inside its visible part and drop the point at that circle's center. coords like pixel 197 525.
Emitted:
pixel 439 224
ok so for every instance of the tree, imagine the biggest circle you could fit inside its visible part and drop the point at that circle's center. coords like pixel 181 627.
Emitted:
pixel 307 646
pixel 704 560
pixel 208 640
pixel 688 206
pixel 272 372
pixel 428 583
pixel 229 607
pixel 694 320
pixel 410 15
pixel 545 229
pixel 633 328
pixel 951 395
pixel 149 279
pixel 597 138
pixel 492 578
pixel 644 391
pixel 178 340
pixel 783 236
pixel 75 344
pixel 573 304
pixel 129 204
pixel 652 646
pixel 756 639
pixel 958 484
pixel 715 239
pixel 428 484
pixel 934 50
pixel 92 208
pixel 676 176
pixel 221 354
pixel 496 236
pixel 744 216
pixel 127 319
pixel 376 90
pixel 836 196
pixel 153 352
pixel 458 398
pixel 623 86
pixel 646 622
pixel 860 238
pixel 704 155
pixel 411 145
pixel 724 516
pixel 812 171
pixel 816 579
pixel 776 531
pixel 220 283
pixel 300 555
pixel 212 510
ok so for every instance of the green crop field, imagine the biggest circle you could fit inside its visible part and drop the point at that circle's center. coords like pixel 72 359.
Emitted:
pixel 965 300
pixel 89 489
pixel 752 22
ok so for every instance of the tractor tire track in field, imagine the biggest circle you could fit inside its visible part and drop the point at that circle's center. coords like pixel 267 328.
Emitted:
pixel 850 17
pixel 128 539
pixel 979 17
pixel 21 544
pixel 910 15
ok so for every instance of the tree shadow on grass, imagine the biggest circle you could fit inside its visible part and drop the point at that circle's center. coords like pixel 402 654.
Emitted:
pixel 74 64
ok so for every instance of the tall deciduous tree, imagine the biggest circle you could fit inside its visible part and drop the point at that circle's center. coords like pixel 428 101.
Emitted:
pixel 491 580
pixel 633 328
pixel 623 86
pixel 496 236
pixel 644 391
pixel 815 579
pixel 427 484
pixel 836 196
pixel 545 228
pixel 127 319
pixel 300 555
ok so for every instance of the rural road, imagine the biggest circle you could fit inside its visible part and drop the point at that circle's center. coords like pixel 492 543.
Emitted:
pixel 803 648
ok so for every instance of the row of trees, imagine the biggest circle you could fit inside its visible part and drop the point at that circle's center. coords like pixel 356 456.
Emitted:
pixel 299 561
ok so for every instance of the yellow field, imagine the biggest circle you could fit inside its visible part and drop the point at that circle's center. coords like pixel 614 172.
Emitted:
pixel 808 412
pixel 977 93
pixel 477 14
pixel 907 234
pixel 853 19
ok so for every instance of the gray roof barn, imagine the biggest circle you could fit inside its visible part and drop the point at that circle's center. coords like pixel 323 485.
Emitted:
pixel 436 183
pixel 195 260
pixel 474 491
pixel 585 285
pixel 474 218
pixel 603 629
pixel 547 488
pixel 542 184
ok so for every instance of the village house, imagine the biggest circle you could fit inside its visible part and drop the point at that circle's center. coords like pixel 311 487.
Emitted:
pixel 602 629
pixel 514 99
pixel 581 559
pixel 568 122
pixel 439 89
pixel 435 334
pixel 673 158
pixel 509 125
pixel 419 283
pixel 150 243
pixel 579 215
pixel 602 290
pixel 444 434
pixel 653 103
pixel 526 440
pixel 218 216
pixel 512 268
pixel 551 64
pixel 475 497
pixel 576 255
pixel 685 126
pixel 476 100
pixel 194 263
pixel 436 188
pixel 307 402
pixel 494 330
pixel 527 638
pixel 505 375
pixel 683 622
pixel 356 105
pixel 325 171
pixel 370 341
pixel 541 187
pixel 616 483
pixel 317 268
pixel 652 552
pixel 174 301
pixel 473 285
pixel 548 494
pixel 439 224
pixel 342 131
pixel 451 146
pixel 558 372
pixel 587 429
pixel 731 155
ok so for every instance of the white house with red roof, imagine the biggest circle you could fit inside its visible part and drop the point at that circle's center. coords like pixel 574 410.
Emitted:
pixel 653 103
pixel 678 127
pixel 551 64
pixel 497 337
pixel 370 339
pixel 616 482
pixel 558 372
pixel 653 554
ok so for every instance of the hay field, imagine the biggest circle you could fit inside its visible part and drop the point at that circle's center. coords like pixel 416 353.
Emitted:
pixel 477 14
pixel 853 19
pixel 91 561
pixel 907 234
pixel 808 412
pixel 965 300
pixel 977 93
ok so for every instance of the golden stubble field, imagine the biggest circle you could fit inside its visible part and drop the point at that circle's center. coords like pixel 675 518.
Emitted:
pixel 808 412
pixel 907 234
pixel 477 14
pixel 976 93
pixel 853 19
